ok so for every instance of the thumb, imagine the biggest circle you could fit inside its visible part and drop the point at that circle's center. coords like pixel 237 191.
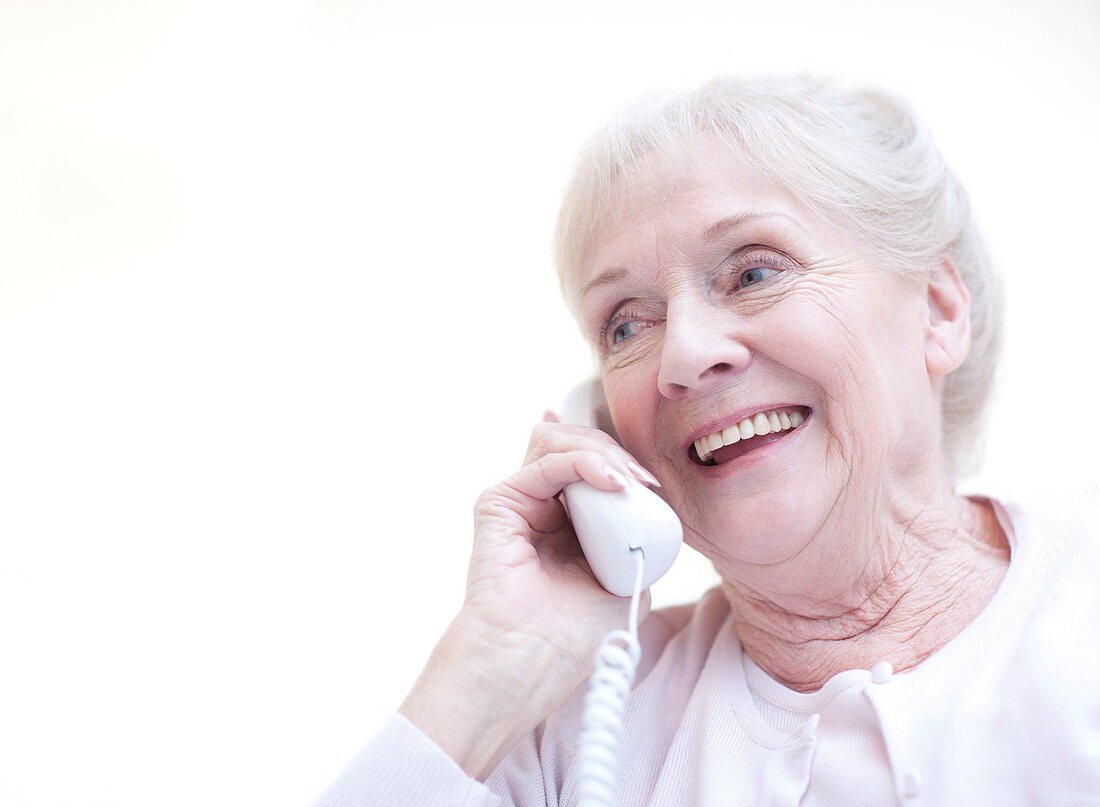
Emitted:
pixel 550 416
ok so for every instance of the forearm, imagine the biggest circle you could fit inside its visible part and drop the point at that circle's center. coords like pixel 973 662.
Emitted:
pixel 482 691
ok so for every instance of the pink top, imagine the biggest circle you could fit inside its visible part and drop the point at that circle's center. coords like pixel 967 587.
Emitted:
pixel 1006 713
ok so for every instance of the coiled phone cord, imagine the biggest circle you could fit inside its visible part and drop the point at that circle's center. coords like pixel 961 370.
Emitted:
pixel 602 722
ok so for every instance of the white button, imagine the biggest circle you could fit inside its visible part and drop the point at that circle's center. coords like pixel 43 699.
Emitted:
pixel 881 672
pixel 911 784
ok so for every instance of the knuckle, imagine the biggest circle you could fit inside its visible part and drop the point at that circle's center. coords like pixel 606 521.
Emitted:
pixel 541 430
pixel 606 439
pixel 542 462
pixel 557 438
pixel 485 501
pixel 599 436
pixel 543 438
pixel 545 443
pixel 592 458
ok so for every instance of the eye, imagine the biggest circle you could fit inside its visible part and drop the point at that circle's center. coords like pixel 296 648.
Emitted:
pixel 755 275
pixel 755 265
pixel 623 326
pixel 624 330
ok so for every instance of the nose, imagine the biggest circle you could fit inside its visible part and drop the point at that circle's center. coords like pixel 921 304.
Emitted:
pixel 702 348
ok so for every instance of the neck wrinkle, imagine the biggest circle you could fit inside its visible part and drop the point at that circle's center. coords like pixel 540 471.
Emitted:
pixel 941 577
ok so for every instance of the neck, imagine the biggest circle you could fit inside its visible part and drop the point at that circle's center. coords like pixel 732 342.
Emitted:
pixel 921 581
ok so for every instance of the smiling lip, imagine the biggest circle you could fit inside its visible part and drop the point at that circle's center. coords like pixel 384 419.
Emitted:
pixel 722 423
pixel 754 455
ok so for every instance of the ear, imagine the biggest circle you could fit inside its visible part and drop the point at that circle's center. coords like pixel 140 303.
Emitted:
pixel 947 327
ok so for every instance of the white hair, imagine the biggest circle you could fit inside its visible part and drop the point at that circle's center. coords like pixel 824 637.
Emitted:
pixel 859 157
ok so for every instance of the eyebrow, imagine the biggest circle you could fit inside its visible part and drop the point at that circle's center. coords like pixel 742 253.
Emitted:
pixel 733 222
pixel 709 234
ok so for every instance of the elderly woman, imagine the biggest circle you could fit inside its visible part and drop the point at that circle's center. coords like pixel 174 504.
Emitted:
pixel 792 261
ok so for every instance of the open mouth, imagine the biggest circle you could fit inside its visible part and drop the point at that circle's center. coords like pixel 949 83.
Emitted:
pixel 761 429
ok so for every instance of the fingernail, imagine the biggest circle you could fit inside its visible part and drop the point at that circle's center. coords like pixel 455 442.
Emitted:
pixel 643 474
pixel 615 476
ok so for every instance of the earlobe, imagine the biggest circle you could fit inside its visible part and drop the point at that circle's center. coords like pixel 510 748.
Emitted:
pixel 947 328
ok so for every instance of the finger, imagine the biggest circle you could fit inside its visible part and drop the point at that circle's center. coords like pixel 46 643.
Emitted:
pixel 561 439
pixel 544 429
pixel 549 416
pixel 547 430
pixel 545 478
pixel 531 492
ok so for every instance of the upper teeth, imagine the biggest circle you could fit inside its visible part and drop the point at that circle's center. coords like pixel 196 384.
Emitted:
pixel 775 420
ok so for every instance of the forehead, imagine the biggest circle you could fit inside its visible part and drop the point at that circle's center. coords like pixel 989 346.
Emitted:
pixel 667 203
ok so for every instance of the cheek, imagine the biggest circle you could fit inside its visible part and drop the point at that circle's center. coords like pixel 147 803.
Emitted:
pixel 864 352
pixel 853 341
pixel 629 394
pixel 819 344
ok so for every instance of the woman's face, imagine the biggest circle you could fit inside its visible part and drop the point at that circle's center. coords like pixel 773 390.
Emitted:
pixel 726 297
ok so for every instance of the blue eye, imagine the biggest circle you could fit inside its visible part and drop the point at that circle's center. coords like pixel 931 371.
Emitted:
pixel 624 326
pixel 756 271
pixel 615 335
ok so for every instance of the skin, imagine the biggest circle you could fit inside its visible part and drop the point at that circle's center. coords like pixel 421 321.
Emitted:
pixel 847 546
pixel 839 546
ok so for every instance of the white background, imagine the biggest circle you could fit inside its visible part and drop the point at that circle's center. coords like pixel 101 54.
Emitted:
pixel 276 305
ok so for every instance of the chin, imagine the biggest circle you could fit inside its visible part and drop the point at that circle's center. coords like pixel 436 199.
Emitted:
pixel 770 527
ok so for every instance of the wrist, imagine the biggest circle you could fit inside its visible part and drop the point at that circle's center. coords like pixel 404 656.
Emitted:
pixel 483 688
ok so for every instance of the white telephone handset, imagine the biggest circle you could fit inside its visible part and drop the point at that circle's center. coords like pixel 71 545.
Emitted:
pixel 630 538
pixel 611 524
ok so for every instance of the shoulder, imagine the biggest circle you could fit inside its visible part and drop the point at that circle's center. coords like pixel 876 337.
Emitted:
pixel 1058 539
pixel 1055 540
pixel 1065 529
pixel 711 607
pixel 1051 690
pixel 1071 499
pixel 1053 525
pixel 686 631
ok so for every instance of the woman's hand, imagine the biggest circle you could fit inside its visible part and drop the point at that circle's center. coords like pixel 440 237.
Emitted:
pixel 527 575
pixel 534 614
